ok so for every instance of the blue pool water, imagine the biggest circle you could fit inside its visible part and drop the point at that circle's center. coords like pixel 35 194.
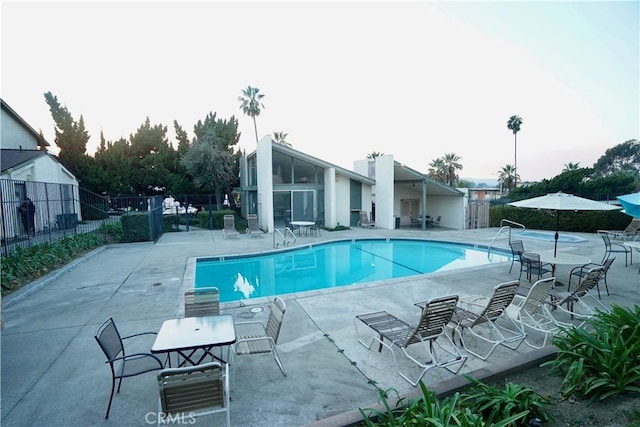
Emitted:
pixel 334 264
pixel 547 236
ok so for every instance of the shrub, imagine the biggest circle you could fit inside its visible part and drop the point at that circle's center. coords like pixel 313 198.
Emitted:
pixel 495 404
pixel 26 264
pixel 112 231
pixel 604 361
pixel 136 227
pixel 428 410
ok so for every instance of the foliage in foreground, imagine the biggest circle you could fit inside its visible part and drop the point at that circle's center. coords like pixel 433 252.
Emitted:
pixel 483 405
pixel 26 264
pixel 603 359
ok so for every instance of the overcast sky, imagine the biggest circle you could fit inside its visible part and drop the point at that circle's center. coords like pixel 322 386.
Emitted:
pixel 412 79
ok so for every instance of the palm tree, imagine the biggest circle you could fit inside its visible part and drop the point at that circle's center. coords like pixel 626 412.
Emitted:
pixel 571 167
pixel 251 103
pixel 508 177
pixel 438 170
pixel 280 138
pixel 513 124
pixel 373 155
pixel 450 161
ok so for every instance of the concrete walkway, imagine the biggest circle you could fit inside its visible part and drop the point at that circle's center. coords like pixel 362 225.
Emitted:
pixel 53 372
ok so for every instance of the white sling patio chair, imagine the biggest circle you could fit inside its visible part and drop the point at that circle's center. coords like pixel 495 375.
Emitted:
pixel 485 319
pixel 532 313
pixel 255 337
pixel 193 391
pixel 431 328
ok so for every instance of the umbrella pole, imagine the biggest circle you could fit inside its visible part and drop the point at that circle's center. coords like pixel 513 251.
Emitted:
pixel 555 248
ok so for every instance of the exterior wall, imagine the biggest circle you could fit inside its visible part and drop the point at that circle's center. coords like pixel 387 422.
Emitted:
pixel 264 170
pixel 452 210
pixel 385 196
pixel 13 135
pixel 330 215
pixel 343 200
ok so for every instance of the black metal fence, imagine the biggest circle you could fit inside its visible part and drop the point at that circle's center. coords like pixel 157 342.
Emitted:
pixel 60 210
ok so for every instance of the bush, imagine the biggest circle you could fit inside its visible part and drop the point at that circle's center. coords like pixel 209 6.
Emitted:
pixel 136 227
pixel 112 231
pixel 580 222
pixel 601 362
pixel 218 220
pixel 428 410
pixel 26 264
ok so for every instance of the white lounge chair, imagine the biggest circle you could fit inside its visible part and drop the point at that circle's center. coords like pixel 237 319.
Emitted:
pixel 431 329
pixel 253 229
pixel 364 221
pixel 229 228
pixel 475 314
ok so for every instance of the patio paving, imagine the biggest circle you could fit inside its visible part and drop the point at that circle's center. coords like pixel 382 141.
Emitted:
pixel 53 372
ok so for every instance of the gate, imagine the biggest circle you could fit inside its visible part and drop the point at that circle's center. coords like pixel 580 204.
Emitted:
pixel 478 214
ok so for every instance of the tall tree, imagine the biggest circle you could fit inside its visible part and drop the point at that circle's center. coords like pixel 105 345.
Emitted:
pixel 251 104
pixel 438 170
pixel 71 138
pixel 281 138
pixel 571 167
pixel 211 160
pixel 622 157
pixel 513 124
pixel 507 177
pixel 451 163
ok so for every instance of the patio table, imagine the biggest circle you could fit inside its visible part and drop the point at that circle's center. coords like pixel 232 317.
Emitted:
pixel 302 226
pixel 561 258
pixel 187 335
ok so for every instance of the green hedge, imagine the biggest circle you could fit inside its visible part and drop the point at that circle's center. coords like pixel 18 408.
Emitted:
pixel 136 227
pixel 218 220
pixel 583 221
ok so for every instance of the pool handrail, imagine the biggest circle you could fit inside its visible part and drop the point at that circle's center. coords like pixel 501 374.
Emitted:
pixel 502 228
pixel 283 237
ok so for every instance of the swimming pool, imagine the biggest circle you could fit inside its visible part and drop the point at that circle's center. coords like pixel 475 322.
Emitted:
pixel 334 264
pixel 547 236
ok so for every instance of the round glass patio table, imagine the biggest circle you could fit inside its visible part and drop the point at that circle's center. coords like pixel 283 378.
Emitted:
pixel 561 258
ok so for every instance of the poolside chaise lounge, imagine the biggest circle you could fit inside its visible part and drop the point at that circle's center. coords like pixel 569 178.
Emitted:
pixel 486 320
pixel 577 302
pixel 431 329
pixel 253 229
pixel 364 220
pixel 631 232
pixel 532 313
pixel 229 228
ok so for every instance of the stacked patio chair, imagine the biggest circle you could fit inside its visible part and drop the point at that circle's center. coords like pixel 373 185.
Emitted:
pixel 487 321
pixel 430 330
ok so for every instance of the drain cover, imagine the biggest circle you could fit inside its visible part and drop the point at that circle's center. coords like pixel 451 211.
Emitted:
pixel 256 309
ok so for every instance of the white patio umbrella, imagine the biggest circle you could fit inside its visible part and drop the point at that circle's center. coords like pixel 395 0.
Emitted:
pixel 562 202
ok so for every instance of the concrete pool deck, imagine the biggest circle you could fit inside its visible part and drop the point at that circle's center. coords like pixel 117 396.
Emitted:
pixel 53 372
